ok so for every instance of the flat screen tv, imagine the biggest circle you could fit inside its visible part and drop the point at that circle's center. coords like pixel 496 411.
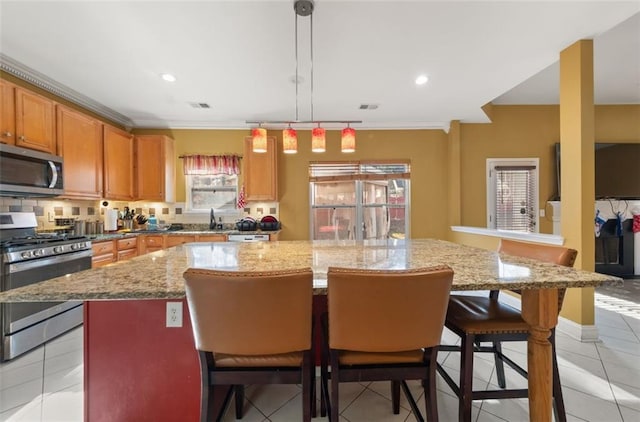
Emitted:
pixel 617 170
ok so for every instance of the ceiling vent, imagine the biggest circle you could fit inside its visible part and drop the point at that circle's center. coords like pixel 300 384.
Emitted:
pixel 368 106
pixel 199 105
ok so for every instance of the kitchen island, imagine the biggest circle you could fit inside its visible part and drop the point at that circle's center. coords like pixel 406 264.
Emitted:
pixel 136 368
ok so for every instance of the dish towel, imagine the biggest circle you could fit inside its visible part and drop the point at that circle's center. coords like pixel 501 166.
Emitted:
pixel 636 223
pixel 241 201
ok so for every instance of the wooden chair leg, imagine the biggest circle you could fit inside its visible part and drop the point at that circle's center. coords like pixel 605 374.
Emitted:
pixel 307 388
pixel 497 347
pixel 430 396
pixel 466 379
pixel 334 406
pixel 239 392
pixel 558 401
pixel 395 397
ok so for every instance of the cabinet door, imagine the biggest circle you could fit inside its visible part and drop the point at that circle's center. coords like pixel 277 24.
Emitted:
pixel 260 172
pixel 127 254
pixel 7 113
pixel 118 164
pixel 155 168
pixel 80 144
pixel 34 121
pixel 212 238
pixel 179 240
pixel 101 260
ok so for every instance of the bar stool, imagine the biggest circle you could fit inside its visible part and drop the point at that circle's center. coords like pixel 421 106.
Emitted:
pixel 384 325
pixel 479 319
pixel 252 328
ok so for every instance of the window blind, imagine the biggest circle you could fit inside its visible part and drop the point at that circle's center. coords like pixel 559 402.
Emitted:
pixel 356 170
pixel 515 188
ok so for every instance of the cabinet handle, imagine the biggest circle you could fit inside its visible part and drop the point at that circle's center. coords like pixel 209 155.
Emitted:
pixel 7 134
pixel 22 138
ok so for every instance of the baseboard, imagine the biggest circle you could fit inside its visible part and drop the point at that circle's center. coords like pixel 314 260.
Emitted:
pixel 583 333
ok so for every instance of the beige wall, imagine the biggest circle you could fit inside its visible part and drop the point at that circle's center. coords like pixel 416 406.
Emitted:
pixel 528 131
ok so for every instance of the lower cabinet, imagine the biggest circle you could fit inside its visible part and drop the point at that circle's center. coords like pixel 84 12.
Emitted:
pixel 151 243
pixel 127 248
pixel 178 240
pixel 102 253
pixel 112 250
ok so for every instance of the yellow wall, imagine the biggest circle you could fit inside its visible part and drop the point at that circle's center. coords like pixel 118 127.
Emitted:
pixel 528 131
pixel 426 149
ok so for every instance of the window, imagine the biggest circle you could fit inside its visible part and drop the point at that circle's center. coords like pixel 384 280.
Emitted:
pixel 358 200
pixel 217 191
pixel 211 181
pixel 512 194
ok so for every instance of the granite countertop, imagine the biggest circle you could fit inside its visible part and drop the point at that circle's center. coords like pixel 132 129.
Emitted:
pixel 158 275
pixel 184 232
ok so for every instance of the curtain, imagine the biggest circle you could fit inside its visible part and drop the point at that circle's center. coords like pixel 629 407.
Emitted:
pixel 211 164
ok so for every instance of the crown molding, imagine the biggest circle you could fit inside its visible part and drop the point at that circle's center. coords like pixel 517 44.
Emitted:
pixel 40 80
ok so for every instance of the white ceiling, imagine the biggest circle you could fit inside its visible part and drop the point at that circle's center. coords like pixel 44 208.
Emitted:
pixel 239 57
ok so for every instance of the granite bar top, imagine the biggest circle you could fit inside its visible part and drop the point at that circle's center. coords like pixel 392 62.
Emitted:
pixel 184 232
pixel 158 275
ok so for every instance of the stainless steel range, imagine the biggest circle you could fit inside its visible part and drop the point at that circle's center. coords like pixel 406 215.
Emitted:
pixel 27 258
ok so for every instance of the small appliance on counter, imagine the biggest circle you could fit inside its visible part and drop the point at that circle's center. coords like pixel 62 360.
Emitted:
pixel 269 223
pixel 247 224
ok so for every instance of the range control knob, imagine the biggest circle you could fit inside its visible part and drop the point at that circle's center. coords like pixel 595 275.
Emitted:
pixel 74 246
pixel 26 254
pixel 58 249
pixel 39 252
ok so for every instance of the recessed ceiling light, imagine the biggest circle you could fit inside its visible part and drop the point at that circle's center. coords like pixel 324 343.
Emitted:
pixel 421 80
pixel 168 77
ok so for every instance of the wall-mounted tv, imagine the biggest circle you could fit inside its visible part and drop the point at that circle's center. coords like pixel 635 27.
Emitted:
pixel 617 170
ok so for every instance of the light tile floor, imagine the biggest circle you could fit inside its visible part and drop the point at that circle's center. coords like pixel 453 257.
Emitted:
pixel 601 381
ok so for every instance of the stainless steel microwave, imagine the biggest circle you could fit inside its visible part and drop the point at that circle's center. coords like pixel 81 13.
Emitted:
pixel 28 173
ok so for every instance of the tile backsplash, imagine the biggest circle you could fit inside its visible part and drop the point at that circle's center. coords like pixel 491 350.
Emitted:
pixel 47 210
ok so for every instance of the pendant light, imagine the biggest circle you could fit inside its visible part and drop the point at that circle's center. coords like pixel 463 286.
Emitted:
pixel 348 143
pixel 303 8
pixel 289 141
pixel 318 139
pixel 259 140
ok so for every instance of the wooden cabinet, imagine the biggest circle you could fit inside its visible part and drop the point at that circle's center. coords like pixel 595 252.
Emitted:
pixel 103 253
pixel 260 172
pixel 118 164
pixel 211 238
pixel 127 248
pixel 79 139
pixel 155 168
pixel 151 243
pixel 178 240
pixel 7 113
pixel 34 121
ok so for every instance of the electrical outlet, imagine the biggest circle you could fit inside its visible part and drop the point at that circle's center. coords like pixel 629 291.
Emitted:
pixel 174 314
pixel 542 212
pixel 50 217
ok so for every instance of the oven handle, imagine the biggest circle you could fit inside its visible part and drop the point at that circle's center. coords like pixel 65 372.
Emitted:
pixel 54 174
pixel 28 265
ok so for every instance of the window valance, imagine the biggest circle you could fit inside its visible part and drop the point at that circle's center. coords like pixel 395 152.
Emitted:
pixel 211 164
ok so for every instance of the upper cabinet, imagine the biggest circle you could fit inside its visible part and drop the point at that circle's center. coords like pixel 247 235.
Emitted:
pixel 155 168
pixel 34 115
pixel 7 113
pixel 118 164
pixel 260 172
pixel 79 139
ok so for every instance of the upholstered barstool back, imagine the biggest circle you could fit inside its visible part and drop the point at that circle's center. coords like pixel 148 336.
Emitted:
pixel 272 310
pixel 384 325
pixel 368 307
pixel 251 328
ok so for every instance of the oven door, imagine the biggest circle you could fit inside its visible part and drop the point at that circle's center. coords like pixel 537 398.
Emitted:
pixel 17 316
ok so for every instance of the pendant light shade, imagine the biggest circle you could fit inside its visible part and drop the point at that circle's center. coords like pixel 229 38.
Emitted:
pixel 318 139
pixel 348 143
pixel 289 141
pixel 259 141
